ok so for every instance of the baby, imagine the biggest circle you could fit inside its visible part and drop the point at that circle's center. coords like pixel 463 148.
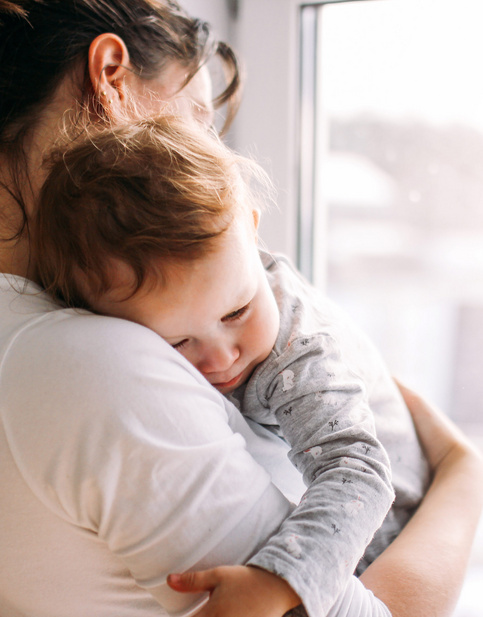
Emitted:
pixel 157 222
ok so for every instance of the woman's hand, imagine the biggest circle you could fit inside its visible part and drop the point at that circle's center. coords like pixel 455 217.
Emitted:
pixel 238 591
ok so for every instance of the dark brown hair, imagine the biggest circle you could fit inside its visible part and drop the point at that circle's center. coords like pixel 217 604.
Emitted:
pixel 41 41
pixel 148 194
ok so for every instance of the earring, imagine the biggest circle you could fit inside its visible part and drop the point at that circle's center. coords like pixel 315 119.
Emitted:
pixel 104 93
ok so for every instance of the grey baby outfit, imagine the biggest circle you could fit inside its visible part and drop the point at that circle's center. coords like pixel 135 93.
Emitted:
pixel 326 391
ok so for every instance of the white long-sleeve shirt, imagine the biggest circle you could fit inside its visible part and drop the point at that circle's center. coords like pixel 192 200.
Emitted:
pixel 120 465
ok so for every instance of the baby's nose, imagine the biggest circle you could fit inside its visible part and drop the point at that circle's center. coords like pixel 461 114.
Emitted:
pixel 218 358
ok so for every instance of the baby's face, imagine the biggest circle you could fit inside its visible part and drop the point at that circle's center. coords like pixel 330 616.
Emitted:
pixel 219 312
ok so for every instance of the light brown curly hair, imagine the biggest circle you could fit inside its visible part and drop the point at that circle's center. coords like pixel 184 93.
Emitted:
pixel 148 194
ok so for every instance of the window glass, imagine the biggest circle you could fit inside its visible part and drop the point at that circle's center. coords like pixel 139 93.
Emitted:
pixel 399 187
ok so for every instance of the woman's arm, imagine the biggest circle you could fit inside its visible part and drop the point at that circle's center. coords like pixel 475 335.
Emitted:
pixel 422 571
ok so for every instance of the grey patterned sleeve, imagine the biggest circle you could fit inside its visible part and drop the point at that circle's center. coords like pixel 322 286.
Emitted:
pixel 323 412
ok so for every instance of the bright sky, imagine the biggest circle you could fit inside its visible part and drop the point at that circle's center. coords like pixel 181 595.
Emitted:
pixel 421 58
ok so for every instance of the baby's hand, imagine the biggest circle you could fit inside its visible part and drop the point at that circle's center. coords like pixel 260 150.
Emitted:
pixel 238 591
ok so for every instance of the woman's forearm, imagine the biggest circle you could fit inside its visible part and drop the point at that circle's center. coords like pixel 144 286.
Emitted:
pixel 421 573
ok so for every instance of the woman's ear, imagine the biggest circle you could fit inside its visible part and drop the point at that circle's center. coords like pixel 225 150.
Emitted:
pixel 108 67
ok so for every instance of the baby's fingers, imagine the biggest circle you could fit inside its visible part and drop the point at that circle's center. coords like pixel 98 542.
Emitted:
pixel 203 580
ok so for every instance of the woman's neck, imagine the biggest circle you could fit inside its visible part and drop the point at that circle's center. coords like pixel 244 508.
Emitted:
pixel 14 258
pixel 45 129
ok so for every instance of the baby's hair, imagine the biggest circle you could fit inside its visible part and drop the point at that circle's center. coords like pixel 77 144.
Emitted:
pixel 148 194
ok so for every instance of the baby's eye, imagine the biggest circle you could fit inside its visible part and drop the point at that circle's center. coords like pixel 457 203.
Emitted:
pixel 238 314
pixel 180 344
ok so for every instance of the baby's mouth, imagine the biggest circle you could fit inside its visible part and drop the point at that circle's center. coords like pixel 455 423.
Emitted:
pixel 222 385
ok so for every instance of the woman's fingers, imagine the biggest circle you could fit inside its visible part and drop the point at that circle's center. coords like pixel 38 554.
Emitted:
pixel 193 582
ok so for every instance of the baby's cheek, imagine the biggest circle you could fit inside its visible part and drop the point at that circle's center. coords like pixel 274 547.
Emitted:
pixel 263 337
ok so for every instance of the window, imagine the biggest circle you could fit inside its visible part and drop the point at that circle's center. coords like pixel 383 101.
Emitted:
pixel 396 223
pixel 391 192
pixel 384 163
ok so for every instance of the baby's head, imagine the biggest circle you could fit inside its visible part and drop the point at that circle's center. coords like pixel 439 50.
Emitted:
pixel 156 222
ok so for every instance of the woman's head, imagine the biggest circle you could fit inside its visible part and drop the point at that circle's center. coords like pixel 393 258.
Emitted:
pixel 140 197
pixel 43 42
pixel 67 63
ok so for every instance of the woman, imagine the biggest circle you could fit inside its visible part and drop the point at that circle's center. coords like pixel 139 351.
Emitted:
pixel 119 464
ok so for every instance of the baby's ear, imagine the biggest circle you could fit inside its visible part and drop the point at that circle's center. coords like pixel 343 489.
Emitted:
pixel 256 218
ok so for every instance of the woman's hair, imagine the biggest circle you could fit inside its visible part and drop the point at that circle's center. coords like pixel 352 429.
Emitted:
pixel 148 194
pixel 42 41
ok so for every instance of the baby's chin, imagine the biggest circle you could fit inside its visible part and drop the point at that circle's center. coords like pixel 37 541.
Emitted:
pixel 230 386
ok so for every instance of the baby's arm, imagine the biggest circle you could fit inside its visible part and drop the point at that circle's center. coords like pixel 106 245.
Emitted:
pixel 322 410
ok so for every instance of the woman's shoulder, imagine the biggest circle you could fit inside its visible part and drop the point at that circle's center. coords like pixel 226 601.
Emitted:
pixel 33 326
pixel 101 415
pixel 73 362
pixel 74 386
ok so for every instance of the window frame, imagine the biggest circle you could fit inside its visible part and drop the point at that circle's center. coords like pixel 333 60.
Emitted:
pixel 278 128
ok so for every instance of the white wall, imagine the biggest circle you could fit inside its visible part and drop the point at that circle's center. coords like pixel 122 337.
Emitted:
pixel 266 124
pixel 265 36
pixel 215 12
